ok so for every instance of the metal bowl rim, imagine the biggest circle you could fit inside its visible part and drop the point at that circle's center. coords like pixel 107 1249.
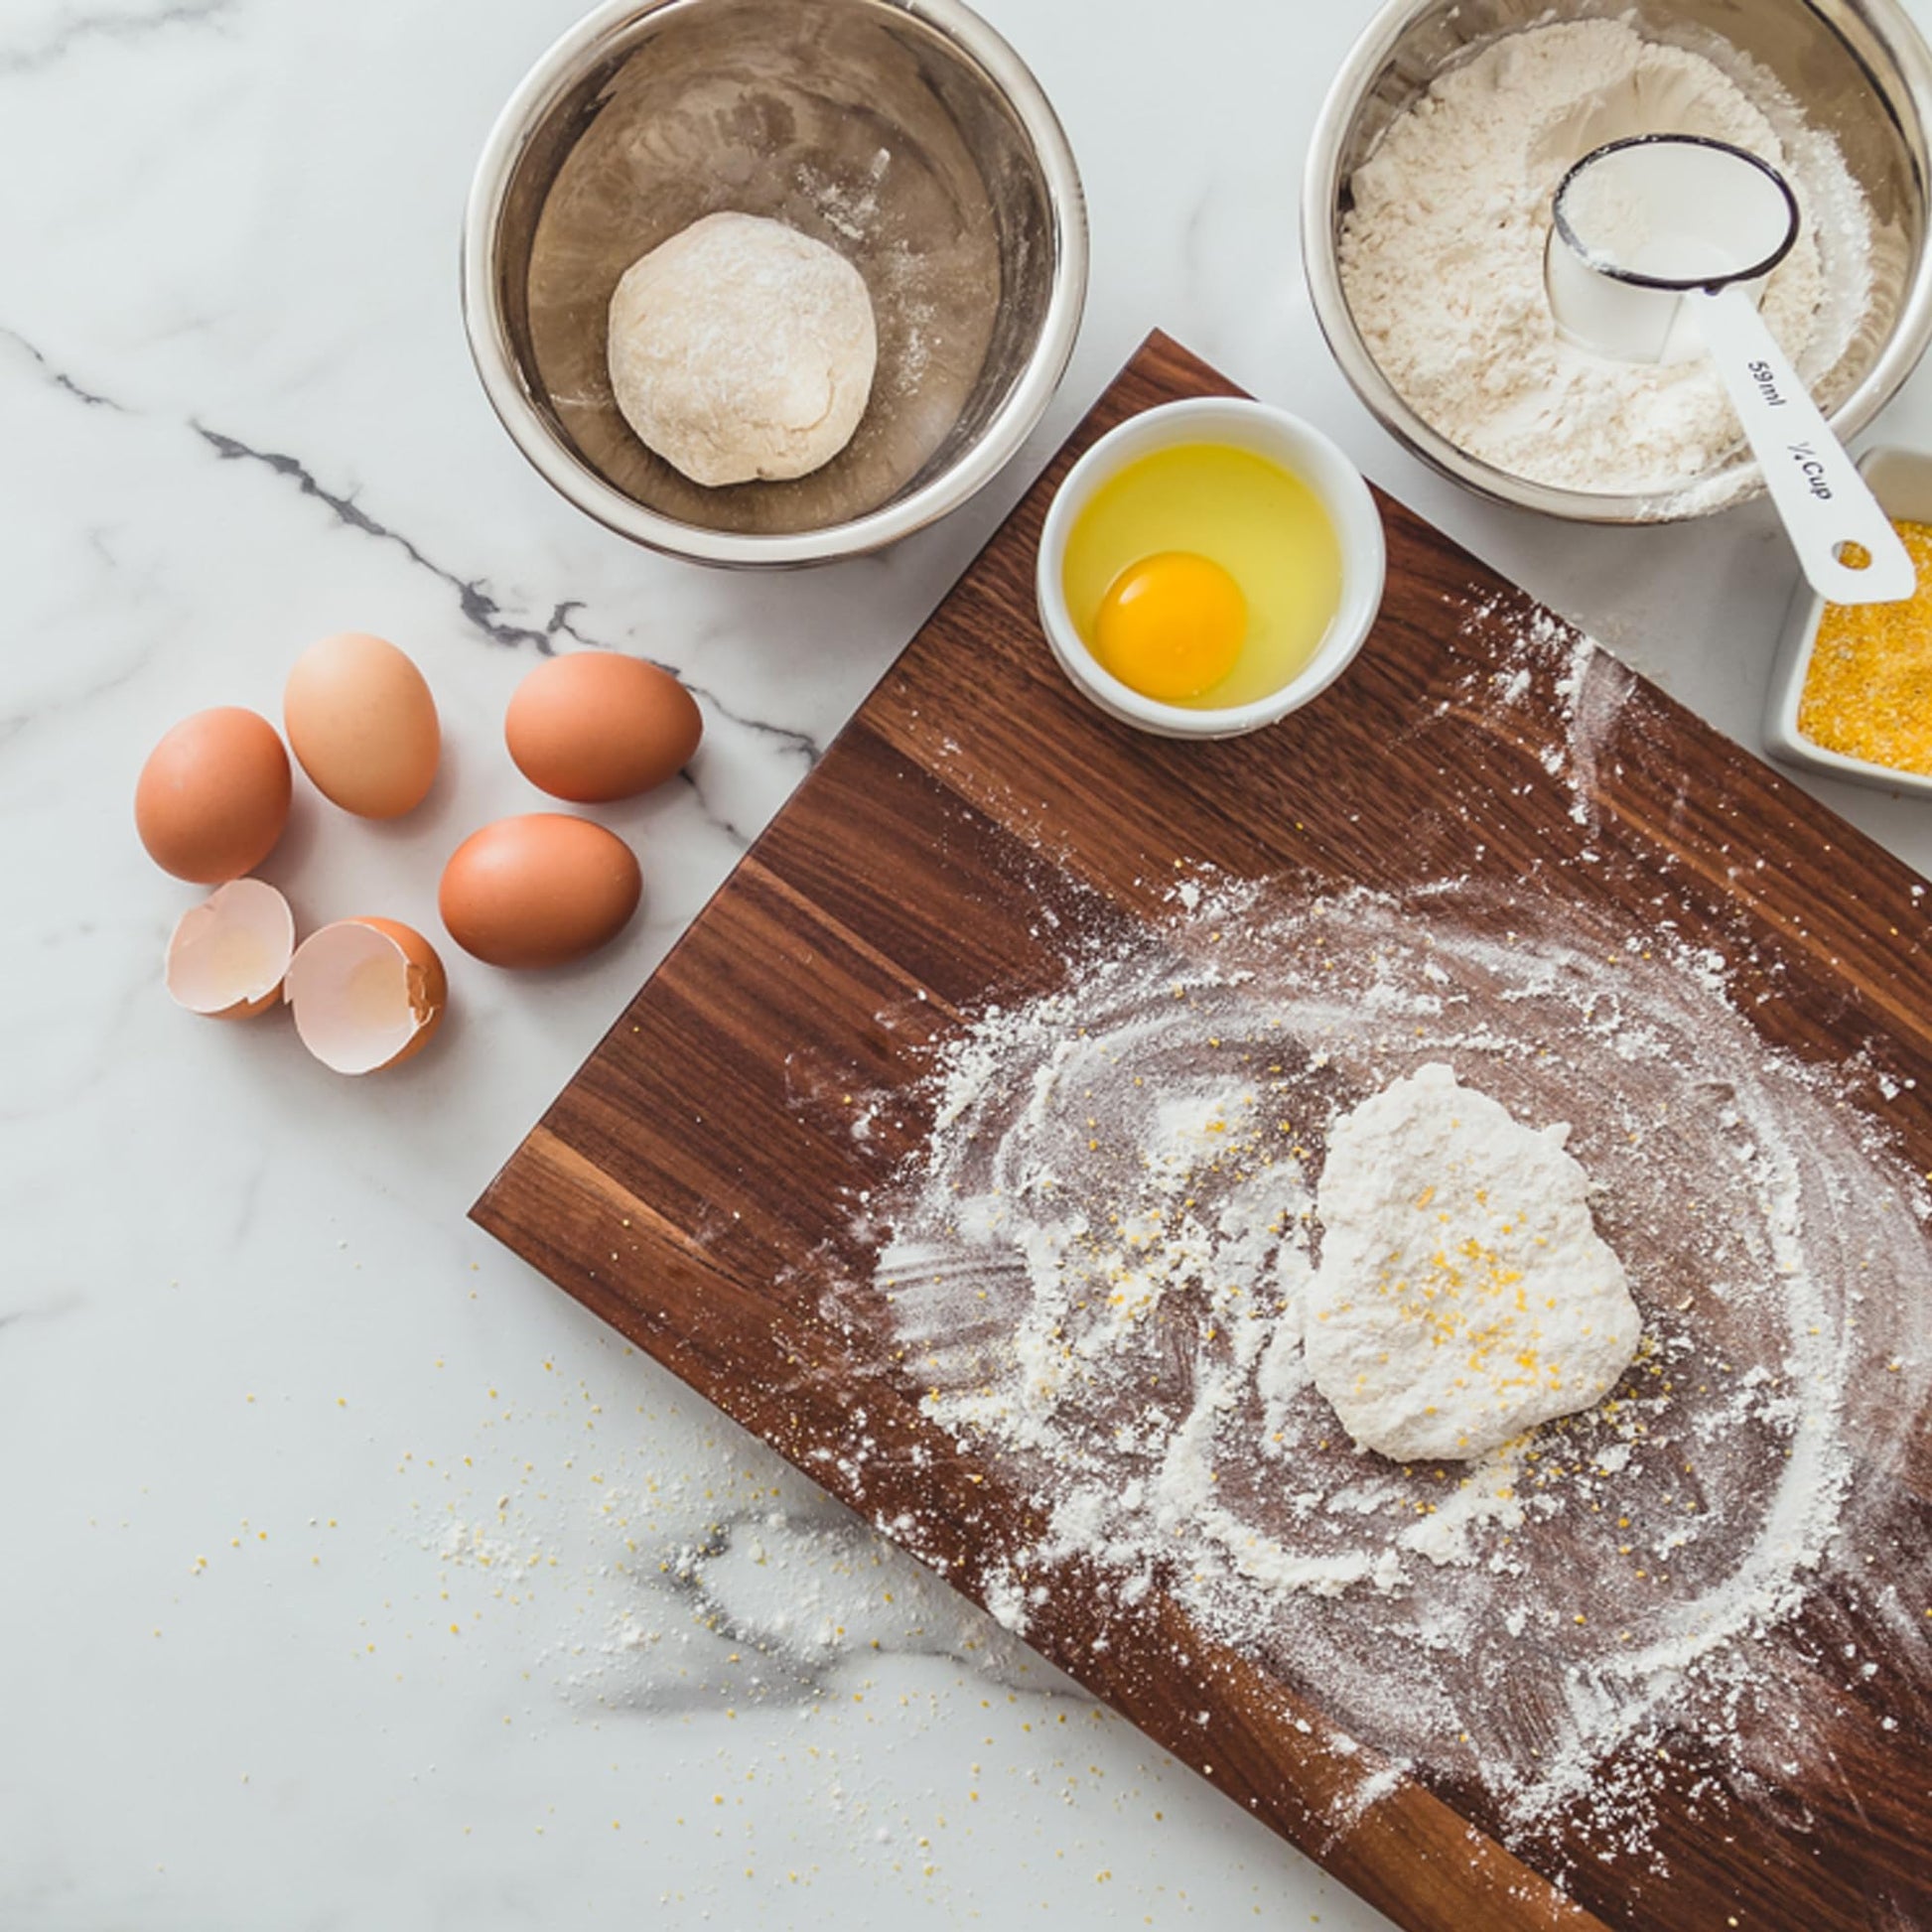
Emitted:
pixel 1904 348
pixel 557 70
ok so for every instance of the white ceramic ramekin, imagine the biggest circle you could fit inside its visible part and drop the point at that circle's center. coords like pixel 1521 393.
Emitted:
pixel 1901 479
pixel 1279 438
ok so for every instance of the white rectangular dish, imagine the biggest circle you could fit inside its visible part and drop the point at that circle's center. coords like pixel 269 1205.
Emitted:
pixel 1901 479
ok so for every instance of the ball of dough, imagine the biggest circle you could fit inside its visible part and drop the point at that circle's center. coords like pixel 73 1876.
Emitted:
pixel 741 350
pixel 1464 1294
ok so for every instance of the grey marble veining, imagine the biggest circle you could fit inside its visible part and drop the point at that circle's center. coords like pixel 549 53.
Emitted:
pixel 72 29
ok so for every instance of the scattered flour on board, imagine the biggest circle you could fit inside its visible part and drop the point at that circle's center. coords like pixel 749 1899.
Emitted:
pixel 1095 1268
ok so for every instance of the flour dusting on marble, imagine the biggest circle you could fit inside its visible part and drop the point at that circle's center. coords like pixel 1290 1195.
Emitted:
pixel 638 1583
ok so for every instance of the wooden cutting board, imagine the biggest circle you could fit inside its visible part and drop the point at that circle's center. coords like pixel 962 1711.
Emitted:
pixel 686 1189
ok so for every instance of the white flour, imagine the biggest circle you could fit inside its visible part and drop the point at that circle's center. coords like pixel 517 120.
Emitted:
pixel 1096 1267
pixel 1464 1294
pixel 1443 254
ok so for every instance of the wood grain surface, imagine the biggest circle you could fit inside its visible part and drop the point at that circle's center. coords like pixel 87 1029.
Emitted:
pixel 687 1189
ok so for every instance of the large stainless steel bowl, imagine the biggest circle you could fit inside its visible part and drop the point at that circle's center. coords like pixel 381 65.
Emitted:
pixel 905 133
pixel 1855 68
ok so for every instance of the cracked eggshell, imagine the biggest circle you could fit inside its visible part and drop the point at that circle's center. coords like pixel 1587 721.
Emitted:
pixel 213 797
pixel 366 994
pixel 229 956
pixel 538 891
pixel 597 726
pixel 362 724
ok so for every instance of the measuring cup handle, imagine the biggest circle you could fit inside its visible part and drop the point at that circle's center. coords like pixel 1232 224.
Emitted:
pixel 1815 484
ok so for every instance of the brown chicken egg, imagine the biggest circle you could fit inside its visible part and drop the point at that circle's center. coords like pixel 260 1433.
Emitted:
pixel 214 795
pixel 597 726
pixel 362 723
pixel 538 891
pixel 366 994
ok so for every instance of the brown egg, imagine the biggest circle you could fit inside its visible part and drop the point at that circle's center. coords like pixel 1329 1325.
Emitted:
pixel 363 722
pixel 214 795
pixel 598 725
pixel 538 891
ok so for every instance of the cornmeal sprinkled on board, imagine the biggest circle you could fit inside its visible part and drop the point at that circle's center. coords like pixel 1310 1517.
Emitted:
pixel 1869 689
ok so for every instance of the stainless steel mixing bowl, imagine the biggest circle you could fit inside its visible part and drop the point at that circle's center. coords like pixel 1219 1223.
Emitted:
pixel 1855 68
pixel 905 133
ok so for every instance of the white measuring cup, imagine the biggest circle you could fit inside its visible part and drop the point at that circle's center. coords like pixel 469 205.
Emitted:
pixel 1660 251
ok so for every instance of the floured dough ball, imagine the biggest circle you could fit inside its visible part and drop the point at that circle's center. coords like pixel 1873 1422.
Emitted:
pixel 1464 1294
pixel 741 350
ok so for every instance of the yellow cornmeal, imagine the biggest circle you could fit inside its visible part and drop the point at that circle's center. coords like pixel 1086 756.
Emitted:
pixel 1869 689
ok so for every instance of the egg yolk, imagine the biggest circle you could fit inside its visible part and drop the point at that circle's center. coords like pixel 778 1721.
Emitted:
pixel 1171 625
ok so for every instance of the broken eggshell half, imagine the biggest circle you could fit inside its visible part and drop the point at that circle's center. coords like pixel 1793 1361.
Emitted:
pixel 366 994
pixel 228 955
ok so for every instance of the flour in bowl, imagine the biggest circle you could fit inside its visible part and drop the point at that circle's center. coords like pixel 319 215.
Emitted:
pixel 1443 253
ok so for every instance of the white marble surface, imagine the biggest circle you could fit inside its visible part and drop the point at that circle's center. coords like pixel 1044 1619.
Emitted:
pixel 355 1576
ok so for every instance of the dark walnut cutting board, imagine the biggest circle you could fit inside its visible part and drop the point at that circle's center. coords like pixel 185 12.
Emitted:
pixel 687 1189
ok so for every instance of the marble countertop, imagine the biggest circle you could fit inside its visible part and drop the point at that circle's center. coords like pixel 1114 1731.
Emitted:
pixel 354 1576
